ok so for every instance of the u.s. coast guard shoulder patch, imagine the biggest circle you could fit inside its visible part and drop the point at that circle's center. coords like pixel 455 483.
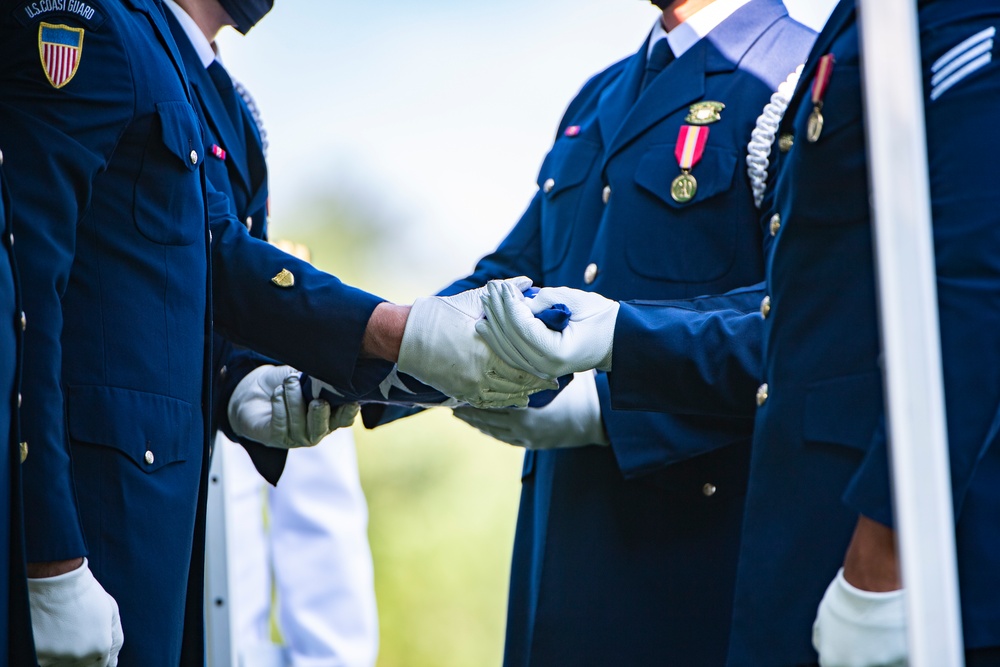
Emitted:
pixel 60 47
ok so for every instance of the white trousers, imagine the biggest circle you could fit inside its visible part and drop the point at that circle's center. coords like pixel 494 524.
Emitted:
pixel 314 549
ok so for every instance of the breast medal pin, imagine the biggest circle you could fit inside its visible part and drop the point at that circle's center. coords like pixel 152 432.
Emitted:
pixel 690 147
pixel 705 113
pixel 822 81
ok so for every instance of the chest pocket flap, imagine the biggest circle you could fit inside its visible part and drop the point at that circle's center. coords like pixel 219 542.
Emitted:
pixel 714 172
pixel 181 132
pixel 566 165
pixel 134 423
pixel 169 197
pixel 828 401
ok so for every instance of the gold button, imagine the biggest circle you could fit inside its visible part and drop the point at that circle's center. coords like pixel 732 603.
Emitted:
pixel 548 185
pixel 24 451
pixel 149 458
pixel 24 321
pixel 785 142
pixel 765 307
pixel 222 372
pixel 606 195
pixel 709 490
pixel 762 394
pixel 194 157
pixel 590 273
pixel 775 224
pixel 249 222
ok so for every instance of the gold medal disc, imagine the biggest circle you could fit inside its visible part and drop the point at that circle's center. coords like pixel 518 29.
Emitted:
pixel 684 188
pixel 815 128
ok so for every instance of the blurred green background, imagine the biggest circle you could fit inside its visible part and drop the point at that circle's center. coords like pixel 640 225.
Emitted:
pixel 442 497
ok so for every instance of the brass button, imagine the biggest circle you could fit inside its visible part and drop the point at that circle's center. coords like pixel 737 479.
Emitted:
pixel 590 273
pixel 149 458
pixel 606 194
pixel 762 394
pixel 222 373
pixel 709 490
pixel 194 157
pixel 765 307
pixel 24 451
pixel 548 185
pixel 785 142
pixel 24 321
pixel 775 224
pixel 249 222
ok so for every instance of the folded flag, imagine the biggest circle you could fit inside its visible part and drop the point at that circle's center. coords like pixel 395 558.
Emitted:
pixel 404 390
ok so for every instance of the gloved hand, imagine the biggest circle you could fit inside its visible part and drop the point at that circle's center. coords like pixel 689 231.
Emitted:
pixel 75 621
pixel 267 406
pixel 440 348
pixel 856 628
pixel 572 419
pixel 520 339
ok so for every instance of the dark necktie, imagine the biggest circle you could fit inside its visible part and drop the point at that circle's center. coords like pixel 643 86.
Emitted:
pixel 224 84
pixel 658 60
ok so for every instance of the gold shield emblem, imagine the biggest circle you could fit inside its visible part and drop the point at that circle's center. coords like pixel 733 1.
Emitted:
pixel 705 113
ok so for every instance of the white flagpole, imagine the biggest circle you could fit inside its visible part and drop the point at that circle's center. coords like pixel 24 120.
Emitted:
pixel 219 619
pixel 897 152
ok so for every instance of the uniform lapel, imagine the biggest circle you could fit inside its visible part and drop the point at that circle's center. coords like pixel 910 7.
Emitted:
pixel 619 98
pixel 255 160
pixel 683 81
pixel 842 15
pixel 212 106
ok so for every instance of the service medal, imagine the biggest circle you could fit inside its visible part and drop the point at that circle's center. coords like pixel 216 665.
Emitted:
pixel 690 147
pixel 824 70
pixel 815 127
pixel 684 188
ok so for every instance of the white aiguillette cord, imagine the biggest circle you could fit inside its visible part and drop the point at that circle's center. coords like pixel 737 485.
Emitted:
pixel 762 137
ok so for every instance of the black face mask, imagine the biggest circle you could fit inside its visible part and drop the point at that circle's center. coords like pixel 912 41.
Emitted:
pixel 246 13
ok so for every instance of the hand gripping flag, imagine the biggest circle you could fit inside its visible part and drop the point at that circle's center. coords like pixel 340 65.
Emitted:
pixel 406 391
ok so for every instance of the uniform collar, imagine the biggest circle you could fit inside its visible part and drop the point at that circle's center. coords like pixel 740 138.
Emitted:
pixel 201 45
pixel 698 25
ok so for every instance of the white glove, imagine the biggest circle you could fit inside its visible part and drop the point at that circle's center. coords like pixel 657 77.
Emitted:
pixel 522 340
pixel 572 419
pixel 856 628
pixel 440 348
pixel 75 621
pixel 267 406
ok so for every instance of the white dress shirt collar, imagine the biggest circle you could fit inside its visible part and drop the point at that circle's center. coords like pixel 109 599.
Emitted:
pixel 699 24
pixel 201 45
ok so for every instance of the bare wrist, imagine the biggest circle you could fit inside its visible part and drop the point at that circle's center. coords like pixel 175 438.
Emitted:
pixel 871 563
pixel 46 569
pixel 384 333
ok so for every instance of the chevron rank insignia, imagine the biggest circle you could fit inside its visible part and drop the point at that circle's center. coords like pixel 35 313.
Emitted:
pixel 705 113
pixel 60 48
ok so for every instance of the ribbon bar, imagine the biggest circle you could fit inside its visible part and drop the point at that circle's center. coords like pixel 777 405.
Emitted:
pixel 824 70
pixel 691 145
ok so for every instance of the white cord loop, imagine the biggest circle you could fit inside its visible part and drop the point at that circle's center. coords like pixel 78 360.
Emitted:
pixel 762 137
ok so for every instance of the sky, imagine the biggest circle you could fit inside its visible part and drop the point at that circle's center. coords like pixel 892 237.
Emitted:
pixel 436 113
